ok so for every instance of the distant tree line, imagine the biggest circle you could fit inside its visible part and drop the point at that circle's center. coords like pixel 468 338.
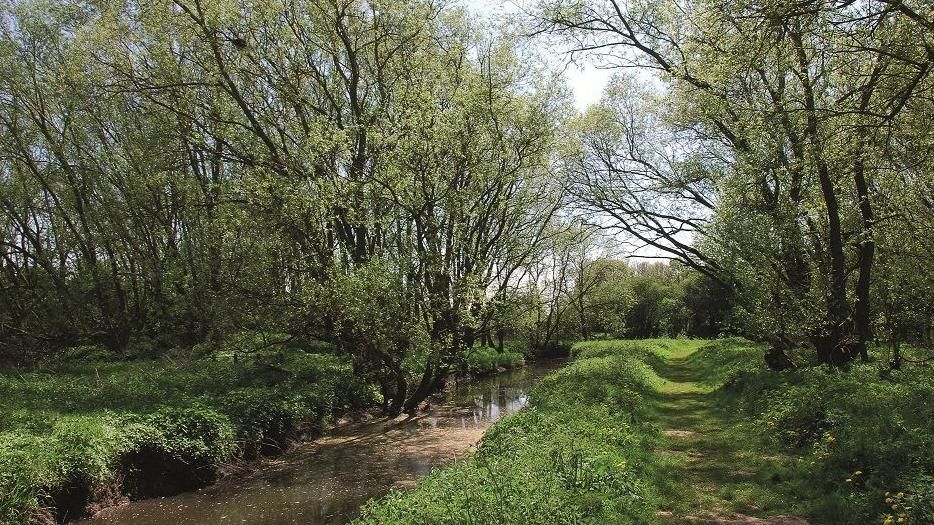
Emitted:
pixel 596 297
pixel 782 149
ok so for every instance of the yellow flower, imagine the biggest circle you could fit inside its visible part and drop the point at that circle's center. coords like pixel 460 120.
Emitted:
pixel 621 465
pixel 900 495
pixel 901 520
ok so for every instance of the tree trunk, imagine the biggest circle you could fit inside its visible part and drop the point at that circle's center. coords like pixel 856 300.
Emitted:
pixel 777 359
pixel 865 253
pixel 831 345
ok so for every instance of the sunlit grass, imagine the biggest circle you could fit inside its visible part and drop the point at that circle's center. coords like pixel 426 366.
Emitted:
pixel 706 430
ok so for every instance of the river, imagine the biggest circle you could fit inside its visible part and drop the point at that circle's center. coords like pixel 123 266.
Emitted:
pixel 328 480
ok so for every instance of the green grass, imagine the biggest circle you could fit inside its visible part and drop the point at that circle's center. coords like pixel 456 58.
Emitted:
pixel 485 360
pixel 575 456
pixel 697 429
pixel 73 434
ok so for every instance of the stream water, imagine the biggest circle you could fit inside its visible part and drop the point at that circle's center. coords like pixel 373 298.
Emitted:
pixel 328 480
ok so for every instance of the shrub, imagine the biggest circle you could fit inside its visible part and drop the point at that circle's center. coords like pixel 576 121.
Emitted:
pixel 510 360
pixel 485 360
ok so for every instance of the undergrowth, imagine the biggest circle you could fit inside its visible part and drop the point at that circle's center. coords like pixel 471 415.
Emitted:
pixel 72 435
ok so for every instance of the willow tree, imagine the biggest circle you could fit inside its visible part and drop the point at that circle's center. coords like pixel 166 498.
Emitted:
pixel 367 173
pixel 781 118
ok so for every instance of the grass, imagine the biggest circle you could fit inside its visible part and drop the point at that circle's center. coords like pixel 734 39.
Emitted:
pixel 698 430
pixel 574 456
pixel 486 360
pixel 711 459
pixel 72 435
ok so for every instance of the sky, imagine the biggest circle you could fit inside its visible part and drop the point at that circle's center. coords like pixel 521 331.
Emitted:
pixel 585 80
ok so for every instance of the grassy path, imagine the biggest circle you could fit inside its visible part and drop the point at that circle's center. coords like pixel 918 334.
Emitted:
pixel 708 467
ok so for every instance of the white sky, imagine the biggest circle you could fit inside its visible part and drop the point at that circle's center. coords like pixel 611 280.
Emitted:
pixel 586 81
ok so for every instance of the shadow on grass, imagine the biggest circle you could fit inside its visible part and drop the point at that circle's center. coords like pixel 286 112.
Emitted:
pixel 708 461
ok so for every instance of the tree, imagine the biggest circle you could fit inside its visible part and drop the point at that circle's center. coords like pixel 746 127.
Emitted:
pixel 177 172
pixel 780 121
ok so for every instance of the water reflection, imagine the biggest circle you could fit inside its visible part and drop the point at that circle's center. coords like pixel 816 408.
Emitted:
pixel 327 481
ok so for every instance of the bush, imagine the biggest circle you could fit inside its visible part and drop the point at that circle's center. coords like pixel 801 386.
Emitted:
pixel 486 360
pixel 510 360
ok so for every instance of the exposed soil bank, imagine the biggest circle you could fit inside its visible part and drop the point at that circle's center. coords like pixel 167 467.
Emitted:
pixel 327 481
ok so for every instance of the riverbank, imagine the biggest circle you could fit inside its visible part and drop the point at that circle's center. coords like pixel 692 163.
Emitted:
pixel 78 437
pixel 326 481
pixel 675 431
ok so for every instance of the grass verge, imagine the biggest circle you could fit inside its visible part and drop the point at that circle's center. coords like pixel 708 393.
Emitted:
pixel 677 431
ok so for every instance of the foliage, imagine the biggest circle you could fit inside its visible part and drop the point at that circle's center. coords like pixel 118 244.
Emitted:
pixel 761 146
pixel 486 360
pixel 70 432
pixel 164 184
pixel 573 456
pixel 856 434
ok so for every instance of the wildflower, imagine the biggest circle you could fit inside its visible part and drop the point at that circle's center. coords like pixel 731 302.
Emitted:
pixel 621 465
pixel 849 480
pixel 858 473
pixel 900 495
